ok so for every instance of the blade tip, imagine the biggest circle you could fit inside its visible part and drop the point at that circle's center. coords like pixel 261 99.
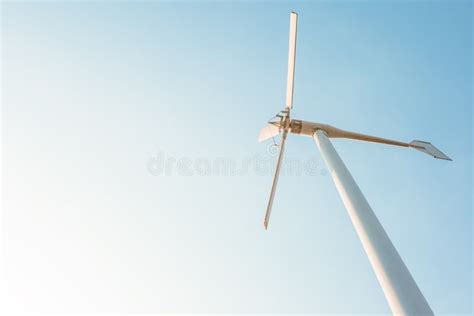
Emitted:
pixel 430 149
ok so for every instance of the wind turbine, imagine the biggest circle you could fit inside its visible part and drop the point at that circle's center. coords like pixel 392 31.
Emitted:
pixel 400 289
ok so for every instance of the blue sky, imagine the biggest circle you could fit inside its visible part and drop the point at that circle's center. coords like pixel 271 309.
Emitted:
pixel 94 93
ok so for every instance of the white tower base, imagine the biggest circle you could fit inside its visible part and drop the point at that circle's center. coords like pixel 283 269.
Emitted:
pixel 399 287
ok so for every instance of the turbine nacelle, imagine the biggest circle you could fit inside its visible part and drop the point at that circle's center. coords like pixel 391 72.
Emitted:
pixel 305 128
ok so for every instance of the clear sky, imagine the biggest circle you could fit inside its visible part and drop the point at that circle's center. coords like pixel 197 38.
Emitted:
pixel 114 114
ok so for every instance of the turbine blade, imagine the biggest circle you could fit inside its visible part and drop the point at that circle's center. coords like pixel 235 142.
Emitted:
pixel 275 179
pixel 291 60
pixel 429 149
pixel 426 147
pixel 267 132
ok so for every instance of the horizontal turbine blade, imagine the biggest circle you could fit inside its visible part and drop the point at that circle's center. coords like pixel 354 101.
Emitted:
pixel 333 132
pixel 275 179
pixel 291 60
pixel 268 132
pixel 429 149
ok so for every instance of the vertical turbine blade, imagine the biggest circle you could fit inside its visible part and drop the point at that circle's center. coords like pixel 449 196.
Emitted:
pixel 275 179
pixel 291 60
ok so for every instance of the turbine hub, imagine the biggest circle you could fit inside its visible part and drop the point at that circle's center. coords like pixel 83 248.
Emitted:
pixel 282 120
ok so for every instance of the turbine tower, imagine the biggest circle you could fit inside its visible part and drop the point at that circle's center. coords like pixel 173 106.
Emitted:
pixel 400 289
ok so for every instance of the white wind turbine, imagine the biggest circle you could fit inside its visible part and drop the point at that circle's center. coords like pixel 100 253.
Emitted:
pixel 400 289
